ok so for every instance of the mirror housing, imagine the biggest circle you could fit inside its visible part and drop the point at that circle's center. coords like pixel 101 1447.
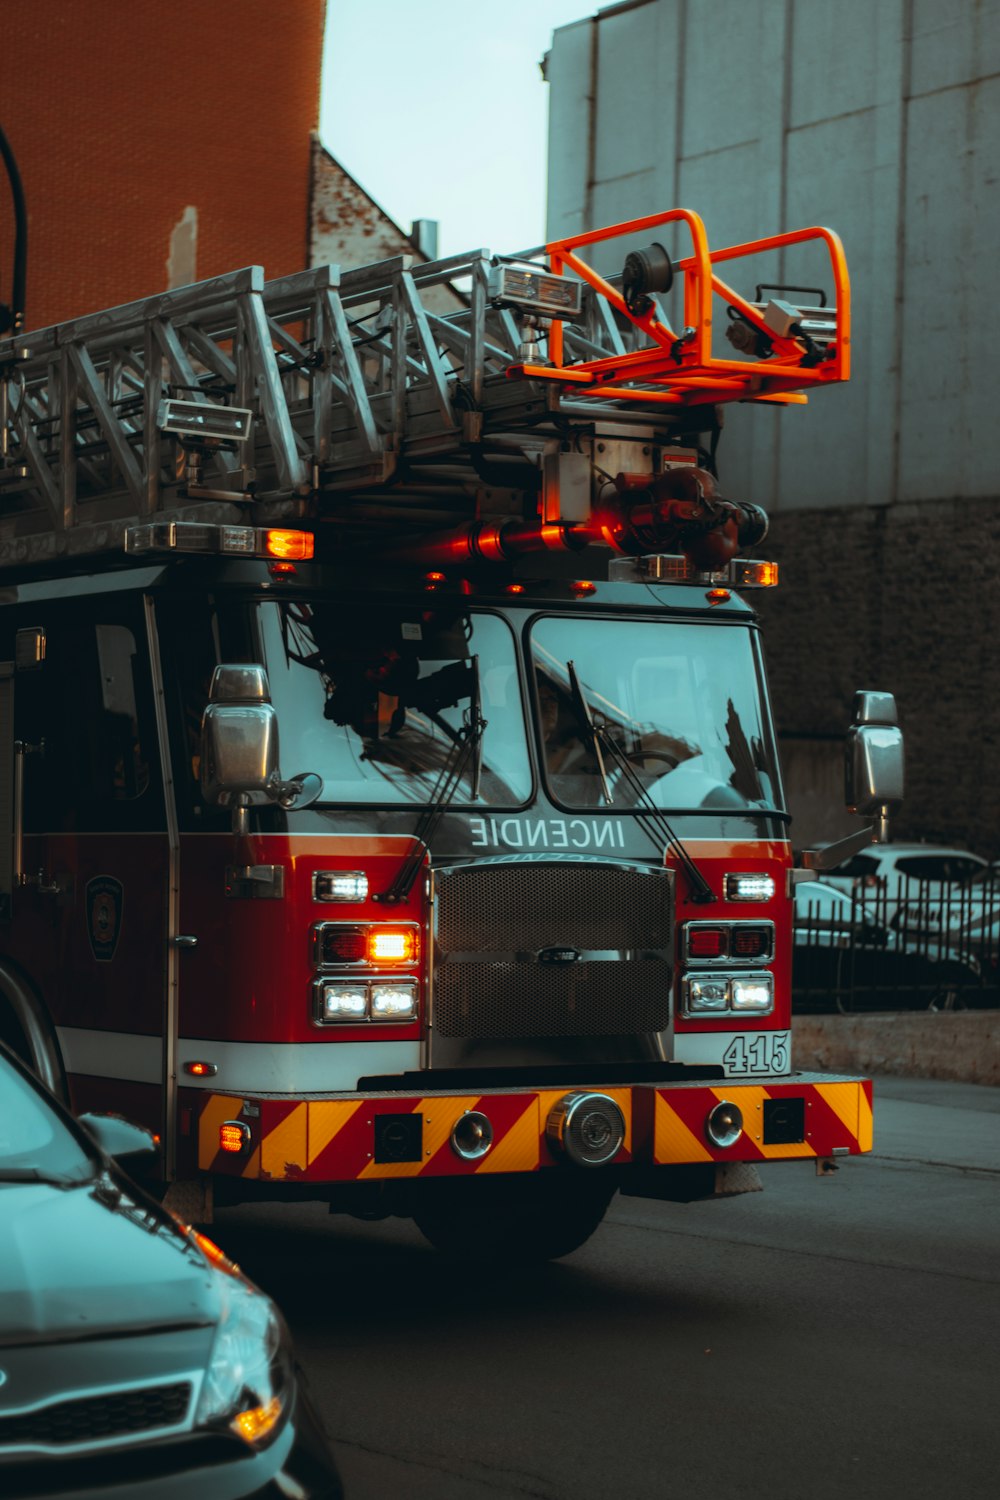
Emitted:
pixel 133 1147
pixel 239 738
pixel 873 761
pixel 239 747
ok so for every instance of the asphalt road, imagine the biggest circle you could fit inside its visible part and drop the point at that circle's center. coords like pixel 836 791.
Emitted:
pixel 824 1338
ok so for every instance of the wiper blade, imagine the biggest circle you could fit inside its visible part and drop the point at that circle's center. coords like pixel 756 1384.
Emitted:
pixel 586 719
pixel 467 747
pixel 701 891
pixel 477 727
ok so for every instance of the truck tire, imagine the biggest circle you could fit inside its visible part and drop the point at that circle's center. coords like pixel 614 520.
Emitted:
pixel 519 1220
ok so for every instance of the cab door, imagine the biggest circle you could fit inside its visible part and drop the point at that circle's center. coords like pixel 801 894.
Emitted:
pixel 87 931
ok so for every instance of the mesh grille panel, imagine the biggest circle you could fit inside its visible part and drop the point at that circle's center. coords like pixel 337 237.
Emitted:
pixel 532 906
pixel 582 999
pixel 95 1419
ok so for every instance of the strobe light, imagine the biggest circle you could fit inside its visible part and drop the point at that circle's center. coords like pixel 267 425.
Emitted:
pixel 588 1129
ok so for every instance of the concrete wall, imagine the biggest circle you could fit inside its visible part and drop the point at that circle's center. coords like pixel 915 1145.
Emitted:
pixel 157 144
pixel 963 1046
pixel 881 119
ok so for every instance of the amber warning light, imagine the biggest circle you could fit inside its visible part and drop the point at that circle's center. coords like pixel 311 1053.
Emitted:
pixel 233 541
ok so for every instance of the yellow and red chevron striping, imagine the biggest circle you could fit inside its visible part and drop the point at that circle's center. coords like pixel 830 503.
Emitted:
pixel 334 1140
pixel 838 1118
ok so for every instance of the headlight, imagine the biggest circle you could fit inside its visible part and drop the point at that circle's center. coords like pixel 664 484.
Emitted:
pixel 705 993
pixel 752 992
pixel 248 1382
pixel 394 1002
pixel 728 994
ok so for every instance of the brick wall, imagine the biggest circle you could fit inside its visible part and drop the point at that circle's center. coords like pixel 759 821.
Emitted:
pixel 906 598
pixel 126 117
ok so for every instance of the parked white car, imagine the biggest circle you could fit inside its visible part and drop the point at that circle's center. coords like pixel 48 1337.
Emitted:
pixel 894 869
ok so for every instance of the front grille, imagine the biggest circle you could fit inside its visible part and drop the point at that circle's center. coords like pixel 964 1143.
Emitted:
pixel 582 999
pixel 518 948
pixel 97 1419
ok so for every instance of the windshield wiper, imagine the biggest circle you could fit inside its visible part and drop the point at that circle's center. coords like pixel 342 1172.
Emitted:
pixel 586 719
pixel 601 739
pixel 466 748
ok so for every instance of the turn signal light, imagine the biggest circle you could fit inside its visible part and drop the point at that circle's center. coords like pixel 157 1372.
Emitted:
pixel 392 945
pixel 292 546
pixel 234 1136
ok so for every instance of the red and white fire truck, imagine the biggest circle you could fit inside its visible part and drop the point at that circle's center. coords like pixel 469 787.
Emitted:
pixel 504 925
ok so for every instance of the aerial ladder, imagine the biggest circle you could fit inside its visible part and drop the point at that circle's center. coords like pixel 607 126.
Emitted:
pixel 548 410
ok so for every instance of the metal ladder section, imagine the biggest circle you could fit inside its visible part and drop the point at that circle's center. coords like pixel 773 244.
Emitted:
pixel 367 406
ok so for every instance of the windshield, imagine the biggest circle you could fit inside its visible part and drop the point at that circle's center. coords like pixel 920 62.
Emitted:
pixel 374 700
pixel 34 1142
pixel 679 710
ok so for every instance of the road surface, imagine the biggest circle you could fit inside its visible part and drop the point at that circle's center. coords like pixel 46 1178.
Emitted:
pixel 824 1338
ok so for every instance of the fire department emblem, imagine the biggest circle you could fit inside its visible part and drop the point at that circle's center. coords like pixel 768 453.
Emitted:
pixel 105 899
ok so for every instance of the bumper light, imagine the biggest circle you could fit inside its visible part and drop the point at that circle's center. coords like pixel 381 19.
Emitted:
pixel 724 1125
pixel 234 1137
pixel 471 1135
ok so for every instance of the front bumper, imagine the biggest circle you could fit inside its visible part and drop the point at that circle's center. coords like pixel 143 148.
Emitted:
pixel 384 1136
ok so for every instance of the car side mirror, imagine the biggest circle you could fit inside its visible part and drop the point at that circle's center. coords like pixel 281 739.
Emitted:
pixel 239 747
pixel 873 761
pixel 133 1147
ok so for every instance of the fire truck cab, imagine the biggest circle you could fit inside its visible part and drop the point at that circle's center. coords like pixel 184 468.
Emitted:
pixel 393 808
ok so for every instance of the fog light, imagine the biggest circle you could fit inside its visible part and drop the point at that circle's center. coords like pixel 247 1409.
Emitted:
pixel 752 992
pixel 706 993
pixel 471 1135
pixel 588 1128
pixel 394 1002
pixel 724 1125
pixel 342 1002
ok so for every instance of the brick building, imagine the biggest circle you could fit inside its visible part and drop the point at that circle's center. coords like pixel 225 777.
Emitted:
pixel 157 144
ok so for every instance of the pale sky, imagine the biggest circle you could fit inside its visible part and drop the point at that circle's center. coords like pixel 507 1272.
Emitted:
pixel 438 109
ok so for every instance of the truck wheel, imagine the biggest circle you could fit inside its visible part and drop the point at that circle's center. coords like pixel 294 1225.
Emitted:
pixel 514 1221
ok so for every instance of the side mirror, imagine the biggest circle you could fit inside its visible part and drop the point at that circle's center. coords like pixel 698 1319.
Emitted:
pixel 133 1147
pixel 239 747
pixel 873 763
pixel 239 738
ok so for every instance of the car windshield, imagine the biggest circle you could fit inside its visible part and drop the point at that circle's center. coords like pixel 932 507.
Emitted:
pixel 679 708
pixel 35 1145
pixel 377 700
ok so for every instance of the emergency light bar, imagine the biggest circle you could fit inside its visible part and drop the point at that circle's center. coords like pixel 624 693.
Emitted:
pixel 535 292
pixel 236 541
pixel 662 567
pixel 205 421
